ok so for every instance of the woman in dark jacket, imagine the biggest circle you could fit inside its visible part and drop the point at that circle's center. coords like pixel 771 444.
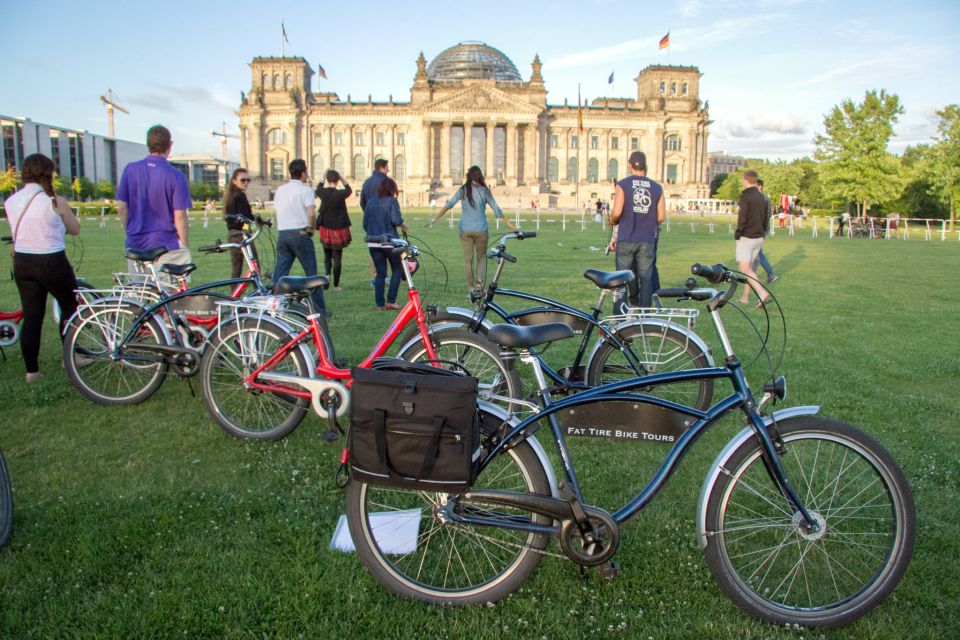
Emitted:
pixel 333 221
pixel 382 217
pixel 237 212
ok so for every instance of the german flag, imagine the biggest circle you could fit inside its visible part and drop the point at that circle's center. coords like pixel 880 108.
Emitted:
pixel 665 41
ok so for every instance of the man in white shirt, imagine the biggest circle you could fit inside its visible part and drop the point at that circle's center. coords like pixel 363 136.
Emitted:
pixel 296 220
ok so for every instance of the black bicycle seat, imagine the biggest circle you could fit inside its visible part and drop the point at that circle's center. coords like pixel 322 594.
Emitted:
pixel 292 284
pixel 514 337
pixel 608 279
pixel 145 255
pixel 178 270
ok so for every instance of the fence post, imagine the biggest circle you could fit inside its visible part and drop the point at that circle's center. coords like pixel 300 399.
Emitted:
pixel 693 227
pixel 538 220
pixel 815 229
pixel 583 222
pixel 563 215
pixel 790 233
pixel 831 227
pixel 943 230
pixel 928 235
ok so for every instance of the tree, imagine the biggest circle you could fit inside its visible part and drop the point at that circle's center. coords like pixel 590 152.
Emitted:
pixel 731 186
pixel 853 150
pixel 945 179
pixel 75 187
pixel 9 180
pixel 60 186
pixel 716 182
pixel 105 189
pixel 88 189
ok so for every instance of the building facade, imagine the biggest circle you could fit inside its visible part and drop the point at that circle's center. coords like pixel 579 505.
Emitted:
pixel 719 162
pixel 76 154
pixel 205 169
pixel 470 106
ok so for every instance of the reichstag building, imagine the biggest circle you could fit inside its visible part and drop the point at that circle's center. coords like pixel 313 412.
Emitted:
pixel 470 105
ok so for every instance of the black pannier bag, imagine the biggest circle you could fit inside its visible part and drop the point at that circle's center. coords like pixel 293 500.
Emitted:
pixel 413 425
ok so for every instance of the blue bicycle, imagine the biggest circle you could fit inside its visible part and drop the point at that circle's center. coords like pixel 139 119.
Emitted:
pixel 802 519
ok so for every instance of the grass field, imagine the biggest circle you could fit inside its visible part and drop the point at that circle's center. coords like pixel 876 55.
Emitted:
pixel 148 521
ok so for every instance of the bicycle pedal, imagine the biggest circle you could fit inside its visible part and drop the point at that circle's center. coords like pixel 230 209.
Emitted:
pixel 330 436
pixel 609 571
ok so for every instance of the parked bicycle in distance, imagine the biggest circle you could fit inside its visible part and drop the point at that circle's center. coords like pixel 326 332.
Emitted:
pixel 802 519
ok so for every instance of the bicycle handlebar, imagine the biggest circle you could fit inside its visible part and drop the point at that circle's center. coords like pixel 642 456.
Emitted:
pixel 398 245
pixel 7 239
pixel 715 274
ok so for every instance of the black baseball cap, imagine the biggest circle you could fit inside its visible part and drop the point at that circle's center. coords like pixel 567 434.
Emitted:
pixel 638 160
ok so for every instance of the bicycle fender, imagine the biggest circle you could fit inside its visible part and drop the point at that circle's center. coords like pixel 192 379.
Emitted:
pixel 468 315
pixel 538 449
pixel 691 335
pixel 721 460
pixel 302 347
pixel 101 305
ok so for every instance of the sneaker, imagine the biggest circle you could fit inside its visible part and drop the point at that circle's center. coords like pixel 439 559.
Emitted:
pixel 338 289
pixel 772 279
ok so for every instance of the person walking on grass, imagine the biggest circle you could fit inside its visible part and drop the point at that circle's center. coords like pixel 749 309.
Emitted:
pixel 751 212
pixel 474 196
pixel 296 217
pixel 382 217
pixel 762 260
pixel 333 222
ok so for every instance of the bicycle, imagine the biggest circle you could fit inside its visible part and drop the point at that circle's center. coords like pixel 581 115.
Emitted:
pixel 122 342
pixel 259 375
pixel 6 502
pixel 640 342
pixel 802 519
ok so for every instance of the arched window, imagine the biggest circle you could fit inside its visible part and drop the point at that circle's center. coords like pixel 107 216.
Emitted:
pixel 359 166
pixel 673 87
pixel 593 170
pixel 338 164
pixel 289 81
pixel 613 170
pixel 276 81
pixel 318 169
pixel 572 169
pixel 265 81
pixel 673 143
pixel 663 87
pixel 553 169
pixel 400 167
pixel 276 136
pixel 684 88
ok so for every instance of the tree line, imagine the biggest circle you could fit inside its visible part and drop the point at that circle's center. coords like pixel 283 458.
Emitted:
pixel 852 168
pixel 84 189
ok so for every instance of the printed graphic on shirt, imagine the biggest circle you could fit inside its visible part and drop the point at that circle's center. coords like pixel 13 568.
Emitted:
pixel 641 196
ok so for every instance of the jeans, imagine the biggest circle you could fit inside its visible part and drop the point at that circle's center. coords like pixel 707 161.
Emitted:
pixel 474 245
pixel 765 263
pixel 293 244
pixel 639 257
pixel 380 259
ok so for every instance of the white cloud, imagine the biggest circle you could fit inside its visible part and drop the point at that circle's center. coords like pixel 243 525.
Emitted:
pixel 779 124
pixel 691 8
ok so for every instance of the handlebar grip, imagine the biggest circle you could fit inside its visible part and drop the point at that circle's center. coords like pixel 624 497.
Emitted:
pixel 382 239
pixel 6 239
pixel 675 292
pixel 523 235
pixel 506 256
pixel 213 248
pixel 714 274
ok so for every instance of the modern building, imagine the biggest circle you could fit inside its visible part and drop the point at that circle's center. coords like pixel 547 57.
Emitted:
pixel 719 162
pixel 470 106
pixel 76 154
pixel 205 169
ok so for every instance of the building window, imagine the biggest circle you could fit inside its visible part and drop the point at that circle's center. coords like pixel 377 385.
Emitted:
pixel 276 81
pixel 593 170
pixel 553 169
pixel 663 87
pixel 276 169
pixel 594 142
pixel 684 90
pixel 265 81
pixel 317 172
pixel 289 81
pixel 673 143
pixel 634 143
pixel 615 142
pixel 338 164
pixel 358 138
pixel 671 174
pixel 572 169
pixel 400 167
pixel 673 87
pixel 338 137
pixel 359 166
pixel 276 136
pixel 613 171
pixel 379 138
pixel 76 156
pixel 574 142
pixel 401 138
pixel 554 141
pixel 318 139
pixel 210 174
pixel 55 150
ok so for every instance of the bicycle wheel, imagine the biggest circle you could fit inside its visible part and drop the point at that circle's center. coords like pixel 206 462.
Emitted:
pixel 55 306
pixel 779 572
pixel 658 349
pixel 105 373
pixel 477 355
pixel 452 563
pixel 235 349
pixel 6 502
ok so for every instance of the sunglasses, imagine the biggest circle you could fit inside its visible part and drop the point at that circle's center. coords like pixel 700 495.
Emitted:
pixel 244 180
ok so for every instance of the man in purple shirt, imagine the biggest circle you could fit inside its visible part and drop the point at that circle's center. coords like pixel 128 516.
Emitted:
pixel 153 199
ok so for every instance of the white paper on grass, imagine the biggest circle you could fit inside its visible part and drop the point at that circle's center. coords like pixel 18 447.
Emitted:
pixel 396 532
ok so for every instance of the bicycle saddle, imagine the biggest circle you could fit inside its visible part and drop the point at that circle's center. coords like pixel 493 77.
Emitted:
pixel 144 255
pixel 514 337
pixel 178 270
pixel 291 284
pixel 608 279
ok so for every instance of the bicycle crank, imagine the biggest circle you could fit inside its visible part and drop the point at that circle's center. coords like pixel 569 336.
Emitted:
pixel 594 546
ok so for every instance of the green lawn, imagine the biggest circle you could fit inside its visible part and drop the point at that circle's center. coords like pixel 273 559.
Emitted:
pixel 148 521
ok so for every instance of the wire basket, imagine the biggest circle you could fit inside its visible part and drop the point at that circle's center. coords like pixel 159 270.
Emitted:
pixel 666 336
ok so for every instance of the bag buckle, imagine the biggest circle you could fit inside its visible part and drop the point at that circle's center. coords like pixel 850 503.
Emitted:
pixel 408 408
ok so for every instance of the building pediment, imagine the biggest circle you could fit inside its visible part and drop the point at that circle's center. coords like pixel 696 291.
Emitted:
pixel 479 99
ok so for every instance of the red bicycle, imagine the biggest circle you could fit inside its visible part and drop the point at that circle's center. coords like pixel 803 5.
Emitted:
pixel 259 375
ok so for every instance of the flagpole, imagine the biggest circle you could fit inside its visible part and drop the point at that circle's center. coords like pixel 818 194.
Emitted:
pixel 283 36
pixel 668 46
pixel 579 142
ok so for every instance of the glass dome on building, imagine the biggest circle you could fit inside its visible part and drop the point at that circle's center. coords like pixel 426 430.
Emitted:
pixel 474 60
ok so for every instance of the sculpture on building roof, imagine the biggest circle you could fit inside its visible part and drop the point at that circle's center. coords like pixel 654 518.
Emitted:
pixel 537 65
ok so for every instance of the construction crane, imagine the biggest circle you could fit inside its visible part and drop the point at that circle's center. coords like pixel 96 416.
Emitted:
pixel 223 135
pixel 111 101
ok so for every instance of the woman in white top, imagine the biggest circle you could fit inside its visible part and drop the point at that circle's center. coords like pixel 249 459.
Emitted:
pixel 38 220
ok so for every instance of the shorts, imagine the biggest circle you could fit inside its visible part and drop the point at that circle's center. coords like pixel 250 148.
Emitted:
pixel 748 249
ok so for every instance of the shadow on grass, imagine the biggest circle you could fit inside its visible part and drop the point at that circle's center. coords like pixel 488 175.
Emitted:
pixel 791 261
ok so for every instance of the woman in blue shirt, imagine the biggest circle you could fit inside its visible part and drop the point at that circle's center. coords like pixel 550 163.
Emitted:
pixel 473 197
pixel 381 217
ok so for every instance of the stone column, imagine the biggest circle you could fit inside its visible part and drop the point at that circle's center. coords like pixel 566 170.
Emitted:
pixel 510 165
pixel 530 154
pixel 257 167
pixel 392 148
pixel 562 169
pixel 490 159
pixel 582 158
pixel 370 153
pixel 244 135
pixel 330 146
pixel 444 152
pixel 349 162
pixel 467 146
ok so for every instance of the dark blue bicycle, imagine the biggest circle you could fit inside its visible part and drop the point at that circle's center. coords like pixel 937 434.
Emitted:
pixel 802 519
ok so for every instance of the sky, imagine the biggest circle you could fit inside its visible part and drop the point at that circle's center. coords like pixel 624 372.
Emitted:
pixel 771 68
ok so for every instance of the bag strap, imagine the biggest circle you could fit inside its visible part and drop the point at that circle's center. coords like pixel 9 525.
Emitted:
pixel 380 431
pixel 16 232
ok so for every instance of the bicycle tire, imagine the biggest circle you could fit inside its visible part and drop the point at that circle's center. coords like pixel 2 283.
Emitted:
pixel 6 502
pixel 245 413
pixel 856 533
pixel 103 379
pixel 508 555
pixel 659 349
pixel 477 355
pixel 440 321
